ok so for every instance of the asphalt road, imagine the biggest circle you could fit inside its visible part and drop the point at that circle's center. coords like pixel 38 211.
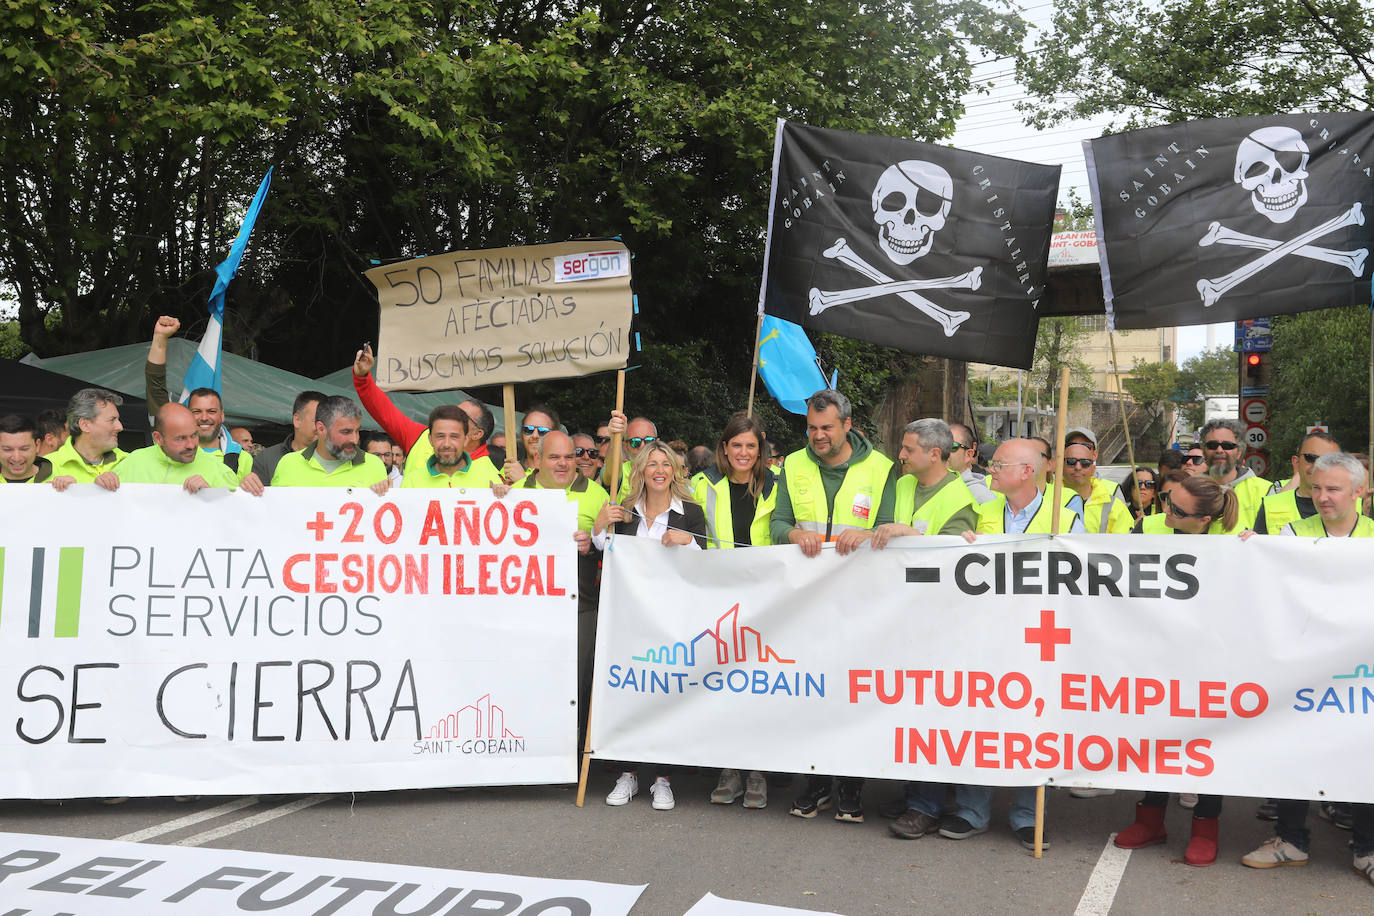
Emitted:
pixel 764 856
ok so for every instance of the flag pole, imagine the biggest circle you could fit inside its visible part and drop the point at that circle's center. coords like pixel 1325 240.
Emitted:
pixel 615 486
pixel 754 372
pixel 1125 424
pixel 512 437
pixel 1061 425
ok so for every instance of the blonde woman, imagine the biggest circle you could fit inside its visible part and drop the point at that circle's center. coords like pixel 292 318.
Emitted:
pixel 658 504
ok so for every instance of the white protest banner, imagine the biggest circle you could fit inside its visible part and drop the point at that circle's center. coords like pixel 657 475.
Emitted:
pixel 83 877
pixel 711 905
pixel 503 315
pixel 310 640
pixel 1195 664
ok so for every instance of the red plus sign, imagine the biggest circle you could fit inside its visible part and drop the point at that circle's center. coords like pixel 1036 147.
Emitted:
pixel 1047 635
pixel 320 526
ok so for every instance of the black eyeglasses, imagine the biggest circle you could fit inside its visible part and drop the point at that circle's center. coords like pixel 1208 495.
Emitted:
pixel 1194 459
pixel 601 440
pixel 586 453
pixel 1145 484
pixel 637 441
pixel 535 430
pixel 1078 462
pixel 1310 458
pixel 963 446
pixel 1213 444
pixel 1170 507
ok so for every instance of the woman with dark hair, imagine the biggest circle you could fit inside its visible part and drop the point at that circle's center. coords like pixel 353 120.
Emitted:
pixel 1197 505
pixel 1140 490
pixel 657 504
pixel 739 495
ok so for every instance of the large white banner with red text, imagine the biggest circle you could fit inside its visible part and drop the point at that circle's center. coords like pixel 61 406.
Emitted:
pixel 153 642
pixel 1172 663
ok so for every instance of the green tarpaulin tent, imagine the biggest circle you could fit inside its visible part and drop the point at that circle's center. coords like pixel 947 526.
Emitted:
pixel 255 394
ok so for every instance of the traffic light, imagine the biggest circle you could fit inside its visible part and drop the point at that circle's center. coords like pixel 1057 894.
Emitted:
pixel 1254 370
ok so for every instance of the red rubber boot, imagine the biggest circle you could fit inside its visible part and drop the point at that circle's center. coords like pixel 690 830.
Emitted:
pixel 1148 829
pixel 1202 846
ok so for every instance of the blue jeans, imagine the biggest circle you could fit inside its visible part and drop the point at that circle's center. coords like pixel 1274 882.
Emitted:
pixel 926 797
pixel 975 806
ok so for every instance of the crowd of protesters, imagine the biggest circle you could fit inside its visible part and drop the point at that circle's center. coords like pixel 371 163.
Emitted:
pixel 838 492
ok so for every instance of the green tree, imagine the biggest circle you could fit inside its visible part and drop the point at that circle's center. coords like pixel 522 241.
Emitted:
pixel 134 135
pixel 1210 372
pixel 1056 347
pixel 1179 60
pixel 1152 383
pixel 1319 373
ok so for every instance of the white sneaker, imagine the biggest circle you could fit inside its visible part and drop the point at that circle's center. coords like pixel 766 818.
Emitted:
pixel 626 788
pixel 663 795
pixel 1273 853
pixel 1090 793
pixel 1187 800
pixel 1365 866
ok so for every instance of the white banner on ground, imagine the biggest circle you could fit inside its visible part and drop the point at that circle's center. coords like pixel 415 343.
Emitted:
pixel 311 640
pixel 1194 664
pixel 711 905
pixel 82 877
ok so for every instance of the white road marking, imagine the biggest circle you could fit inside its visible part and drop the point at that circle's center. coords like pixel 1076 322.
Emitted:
pixel 172 826
pixel 254 820
pixel 1106 878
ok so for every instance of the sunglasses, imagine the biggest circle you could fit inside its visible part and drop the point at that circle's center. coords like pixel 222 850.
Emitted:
pixel 1310 458
pixel 637 441
pixel 1078 462
pixel 1193 459
pixel 586 453
pixel 1213 444
pixel 535 430
pixel 601 440
pixel 963 446
pixel 1146 484
pixel 1172 509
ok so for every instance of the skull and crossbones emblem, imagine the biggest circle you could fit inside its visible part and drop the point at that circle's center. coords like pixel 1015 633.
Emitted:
pixel 1271 164
pixel 911 201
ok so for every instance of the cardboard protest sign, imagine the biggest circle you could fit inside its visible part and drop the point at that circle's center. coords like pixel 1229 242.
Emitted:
pixel 503 315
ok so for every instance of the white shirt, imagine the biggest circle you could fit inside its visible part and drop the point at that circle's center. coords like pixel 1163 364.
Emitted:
pixel 654 527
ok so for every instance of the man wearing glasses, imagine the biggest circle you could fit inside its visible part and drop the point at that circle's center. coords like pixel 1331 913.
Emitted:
pixel 1221 445
pixel 1286 506
pixel 1105 511
pixel 587 456
pixel 1194 461
pixel 961 461
pixel 638 433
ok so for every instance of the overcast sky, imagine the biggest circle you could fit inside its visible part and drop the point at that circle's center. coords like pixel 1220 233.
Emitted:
pixel 991 124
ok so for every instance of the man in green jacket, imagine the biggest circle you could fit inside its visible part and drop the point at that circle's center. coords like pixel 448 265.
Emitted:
pixel 175 457
pixel 836 489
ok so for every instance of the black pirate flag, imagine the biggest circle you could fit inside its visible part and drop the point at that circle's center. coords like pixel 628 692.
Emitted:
pixel 925 248
pixel 1234 218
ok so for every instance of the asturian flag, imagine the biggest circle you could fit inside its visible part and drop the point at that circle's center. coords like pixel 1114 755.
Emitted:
pixel 204 370
pixel 1234 218
pixel 925 248
pixel 787 364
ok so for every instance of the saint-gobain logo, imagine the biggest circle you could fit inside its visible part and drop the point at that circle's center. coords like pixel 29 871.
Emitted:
pixel 570 267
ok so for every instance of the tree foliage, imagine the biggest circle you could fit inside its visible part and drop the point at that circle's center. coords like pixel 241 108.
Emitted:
pixel 134 134
pixel 1179 60
pixel 1057 343
pixel 1210 372
pixel 1320 373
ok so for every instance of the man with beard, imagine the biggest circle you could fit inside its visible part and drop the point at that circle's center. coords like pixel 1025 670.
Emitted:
pixel 206 405
pixel 334 458
pixel 836 489
pixel 176 457
pixel 448 465
pixel 1221 446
